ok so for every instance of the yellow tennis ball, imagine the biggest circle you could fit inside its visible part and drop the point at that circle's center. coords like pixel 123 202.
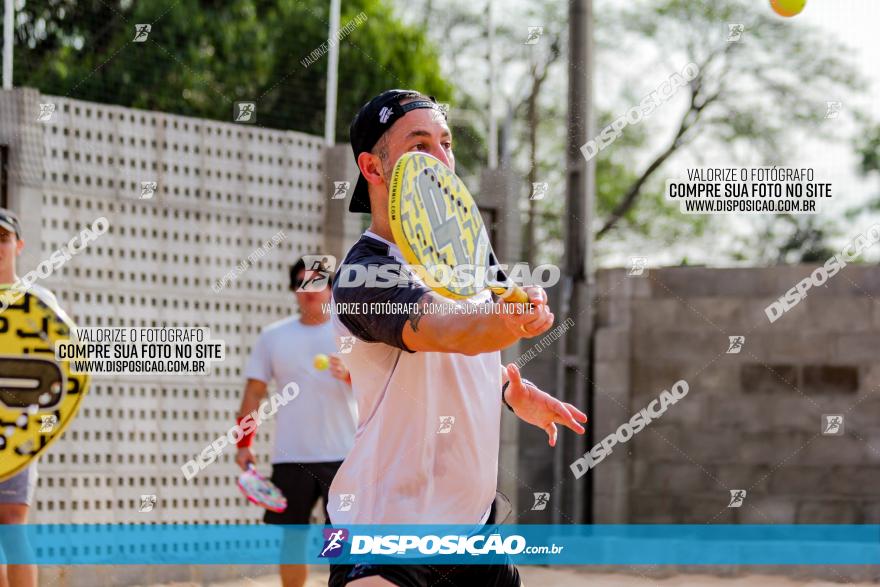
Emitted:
pixel 321 362
pixel 787 7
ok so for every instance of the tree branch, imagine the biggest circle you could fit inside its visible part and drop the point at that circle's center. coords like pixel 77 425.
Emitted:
pixel 688 120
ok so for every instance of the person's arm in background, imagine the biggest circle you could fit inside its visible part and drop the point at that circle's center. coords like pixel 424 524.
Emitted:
pixel 339 370
pixel 255 391
pixel 258 374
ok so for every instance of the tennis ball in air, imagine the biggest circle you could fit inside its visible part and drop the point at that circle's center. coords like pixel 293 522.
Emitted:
pixel 787 7
pixel 321 362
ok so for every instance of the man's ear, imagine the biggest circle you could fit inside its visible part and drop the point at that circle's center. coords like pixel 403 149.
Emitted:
pixel 371 168
pixel 19 246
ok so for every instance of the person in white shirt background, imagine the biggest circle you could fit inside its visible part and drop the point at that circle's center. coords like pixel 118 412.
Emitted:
pixel 314 431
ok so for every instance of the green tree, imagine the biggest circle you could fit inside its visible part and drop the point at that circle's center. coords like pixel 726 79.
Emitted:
pixel 201 56
pixel 751 95
pixel 868 149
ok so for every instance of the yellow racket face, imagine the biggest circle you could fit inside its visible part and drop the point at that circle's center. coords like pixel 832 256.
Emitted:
pixel 437 226
pixel 39 396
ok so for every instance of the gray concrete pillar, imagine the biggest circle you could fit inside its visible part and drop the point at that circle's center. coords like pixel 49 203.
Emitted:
pixel 341 227
pixel 498 203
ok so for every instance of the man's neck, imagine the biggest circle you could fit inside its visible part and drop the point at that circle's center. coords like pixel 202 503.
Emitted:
pixel 8 277
pixel 381 229
pixel 313 319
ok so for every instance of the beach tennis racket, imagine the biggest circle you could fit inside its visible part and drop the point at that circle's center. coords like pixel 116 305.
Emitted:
pixel 261 491
pixel 439 230
pixel 39 396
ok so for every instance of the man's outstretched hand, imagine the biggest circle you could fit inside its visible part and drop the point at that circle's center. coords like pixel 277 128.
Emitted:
pixel 541 409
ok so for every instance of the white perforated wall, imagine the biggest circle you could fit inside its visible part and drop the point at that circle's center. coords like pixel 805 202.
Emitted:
pixel 223 190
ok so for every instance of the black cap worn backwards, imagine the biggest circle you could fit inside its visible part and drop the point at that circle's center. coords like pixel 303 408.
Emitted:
pixel 371 122
pixel 9 221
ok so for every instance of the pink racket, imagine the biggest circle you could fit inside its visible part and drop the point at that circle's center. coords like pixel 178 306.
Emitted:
pixel 260 490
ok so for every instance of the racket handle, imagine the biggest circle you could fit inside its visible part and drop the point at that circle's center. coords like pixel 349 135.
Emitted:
pixel 515 295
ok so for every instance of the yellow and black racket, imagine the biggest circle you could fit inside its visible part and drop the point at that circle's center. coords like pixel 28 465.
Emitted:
pixel 39 396
pixel 440 232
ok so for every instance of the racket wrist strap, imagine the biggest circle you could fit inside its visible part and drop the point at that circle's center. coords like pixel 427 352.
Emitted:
pixel 247 438
pixel 506 385
pixel 503 399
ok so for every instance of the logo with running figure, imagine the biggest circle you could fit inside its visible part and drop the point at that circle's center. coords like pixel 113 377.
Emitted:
pixel 345 344
pixel 637 266
pixel 48 422
pixel 535 33
pixel 542 498
pixel 735 32
pixel 142 32
pixel 539 190
pixel 340 189
pixel 440 112
pixel 346 502
pixel 148 189
pixel 735 344
pixel 737 497
pixel 47 111
pixel 446 424
pixel 318 271
pixel 833 108
pixel 245 112
pixel 334 538
pixel 832 424
pixel 148 502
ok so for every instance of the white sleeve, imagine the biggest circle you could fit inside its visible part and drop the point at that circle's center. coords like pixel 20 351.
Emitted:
pixel 259 365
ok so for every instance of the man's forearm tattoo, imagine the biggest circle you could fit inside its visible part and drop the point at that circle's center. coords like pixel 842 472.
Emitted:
pixel 418 314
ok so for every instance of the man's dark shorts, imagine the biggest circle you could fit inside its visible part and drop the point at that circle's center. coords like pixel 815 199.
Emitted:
pixel 435 575
pixel 428 575
pixel 302 484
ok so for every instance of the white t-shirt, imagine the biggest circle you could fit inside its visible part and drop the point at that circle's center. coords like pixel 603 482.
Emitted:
pixel 411 463
pixel 317 426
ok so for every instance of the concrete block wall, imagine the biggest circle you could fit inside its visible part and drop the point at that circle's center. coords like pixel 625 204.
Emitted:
pixel 223 190
pixel 751 420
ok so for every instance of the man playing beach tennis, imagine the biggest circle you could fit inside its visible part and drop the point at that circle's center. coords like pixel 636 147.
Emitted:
pixel 429 384
pixel 313 432
pixel 16 493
